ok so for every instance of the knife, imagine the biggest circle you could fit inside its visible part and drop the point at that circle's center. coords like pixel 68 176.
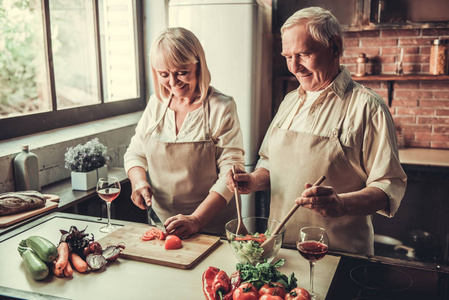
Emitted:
pixel 153 216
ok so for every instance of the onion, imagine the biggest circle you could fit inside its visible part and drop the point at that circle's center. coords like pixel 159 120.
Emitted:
pixel 96 261
pixel 112 252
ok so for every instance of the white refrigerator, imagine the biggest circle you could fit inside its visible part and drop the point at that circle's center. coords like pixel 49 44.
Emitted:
pixel 236 36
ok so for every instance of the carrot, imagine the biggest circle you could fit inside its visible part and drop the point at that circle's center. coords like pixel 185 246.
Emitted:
pixel 58 273
pixel 78 263
pixel 68 271
pixel 63 257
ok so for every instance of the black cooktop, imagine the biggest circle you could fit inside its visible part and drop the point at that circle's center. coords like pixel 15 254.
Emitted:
pixel 364 279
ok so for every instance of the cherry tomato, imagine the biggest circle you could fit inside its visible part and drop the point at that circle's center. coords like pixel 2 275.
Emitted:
pixel 246 291
pixel 172 242
pixel 273 288
pixel 298 294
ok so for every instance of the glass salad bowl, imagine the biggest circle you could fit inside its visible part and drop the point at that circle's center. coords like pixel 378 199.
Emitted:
pixel 246 248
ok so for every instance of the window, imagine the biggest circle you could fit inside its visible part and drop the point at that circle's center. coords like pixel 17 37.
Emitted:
pixel 68 62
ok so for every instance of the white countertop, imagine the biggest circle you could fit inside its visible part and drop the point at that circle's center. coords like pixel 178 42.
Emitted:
pixel 127 279
pixel 424 157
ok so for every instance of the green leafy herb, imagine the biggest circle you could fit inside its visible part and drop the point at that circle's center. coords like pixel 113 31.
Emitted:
pixel 266 272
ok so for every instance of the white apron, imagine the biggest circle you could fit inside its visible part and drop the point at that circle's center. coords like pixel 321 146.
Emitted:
pixel 181 174
pixel 297 158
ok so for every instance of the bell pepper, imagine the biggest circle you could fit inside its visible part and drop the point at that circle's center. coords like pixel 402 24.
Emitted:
pixel 221 284
pixel 208 281
pixel 236 280
pixel 217 285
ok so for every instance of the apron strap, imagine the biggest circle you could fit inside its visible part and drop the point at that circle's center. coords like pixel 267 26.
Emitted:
pixel 160 118
pixel 343 109
pixel 206 107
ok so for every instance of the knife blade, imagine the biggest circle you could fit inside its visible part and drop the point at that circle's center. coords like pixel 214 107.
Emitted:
pixel 153 216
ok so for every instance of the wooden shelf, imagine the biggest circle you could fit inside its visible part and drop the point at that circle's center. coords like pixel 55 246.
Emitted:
pixel 411 77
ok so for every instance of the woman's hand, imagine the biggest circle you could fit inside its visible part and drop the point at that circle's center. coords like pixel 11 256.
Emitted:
pixel 246 182
pixel 141 194
pixel 182 225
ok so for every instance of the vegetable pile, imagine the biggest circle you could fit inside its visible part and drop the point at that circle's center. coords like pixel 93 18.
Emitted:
pixel 76 250
pixel 262 281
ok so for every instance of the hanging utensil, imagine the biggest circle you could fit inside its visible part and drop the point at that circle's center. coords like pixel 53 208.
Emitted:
pixel 241 229
pixel 268 243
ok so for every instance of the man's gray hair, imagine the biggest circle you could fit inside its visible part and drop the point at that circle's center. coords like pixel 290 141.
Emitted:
pixel 321 24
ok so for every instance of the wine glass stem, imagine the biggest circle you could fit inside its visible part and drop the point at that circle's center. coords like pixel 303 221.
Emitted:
pixel 312 269
pixel 109 213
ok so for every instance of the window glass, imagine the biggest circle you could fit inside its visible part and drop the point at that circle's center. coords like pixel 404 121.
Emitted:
pixel 118 40
pixel 24 84
pixel 74 53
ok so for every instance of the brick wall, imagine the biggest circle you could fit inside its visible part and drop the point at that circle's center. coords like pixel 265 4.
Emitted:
pixel 419 108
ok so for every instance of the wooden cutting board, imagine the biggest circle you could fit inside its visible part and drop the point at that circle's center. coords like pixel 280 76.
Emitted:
pixel 193 248
pixel 51 203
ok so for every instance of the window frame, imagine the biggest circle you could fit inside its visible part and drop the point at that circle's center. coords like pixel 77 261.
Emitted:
pixel 14 127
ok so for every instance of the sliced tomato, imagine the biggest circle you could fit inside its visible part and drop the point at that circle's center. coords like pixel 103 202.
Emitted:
pixel 153 233
pixel 172 242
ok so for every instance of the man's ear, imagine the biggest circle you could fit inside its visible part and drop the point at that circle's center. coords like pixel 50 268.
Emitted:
pixel 336 45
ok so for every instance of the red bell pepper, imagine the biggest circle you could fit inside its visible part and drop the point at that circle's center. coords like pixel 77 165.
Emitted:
pixel 208 280
pixel 236 280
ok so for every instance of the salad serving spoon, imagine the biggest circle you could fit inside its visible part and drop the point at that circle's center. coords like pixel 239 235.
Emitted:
pixel 267 245
pixel 241 229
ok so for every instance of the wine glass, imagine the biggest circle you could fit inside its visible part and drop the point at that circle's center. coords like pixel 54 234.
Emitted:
pixel 313 244
pixel 108 188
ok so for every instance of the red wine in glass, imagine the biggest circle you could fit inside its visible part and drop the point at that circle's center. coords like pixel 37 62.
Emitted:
pixel 108 188
pixel 312 251
pixel 313 244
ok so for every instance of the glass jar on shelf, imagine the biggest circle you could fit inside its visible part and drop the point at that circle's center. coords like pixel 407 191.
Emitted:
pixel 361 65
pixel 438 64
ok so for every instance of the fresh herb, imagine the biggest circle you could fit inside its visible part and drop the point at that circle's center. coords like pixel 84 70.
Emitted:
pixel 266 272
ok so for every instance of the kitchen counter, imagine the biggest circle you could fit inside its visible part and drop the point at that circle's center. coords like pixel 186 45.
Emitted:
pixel 424 157
pixel 128 279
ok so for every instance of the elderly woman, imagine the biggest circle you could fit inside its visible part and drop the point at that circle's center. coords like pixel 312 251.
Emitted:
pixel 187 140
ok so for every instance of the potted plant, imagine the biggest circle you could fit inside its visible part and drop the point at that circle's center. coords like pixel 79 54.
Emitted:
pixel 87 163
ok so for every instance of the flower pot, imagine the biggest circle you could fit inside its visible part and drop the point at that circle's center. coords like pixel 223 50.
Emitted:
pixel 102 172
pixel 84 181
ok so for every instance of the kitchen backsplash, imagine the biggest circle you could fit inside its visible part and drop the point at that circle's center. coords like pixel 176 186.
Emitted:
pixel 419 108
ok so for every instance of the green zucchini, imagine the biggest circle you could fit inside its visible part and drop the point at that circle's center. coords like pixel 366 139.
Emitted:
pixel 45 249
pixel 37 269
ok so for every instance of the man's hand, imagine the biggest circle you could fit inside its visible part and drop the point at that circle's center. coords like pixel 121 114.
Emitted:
pixel 322 200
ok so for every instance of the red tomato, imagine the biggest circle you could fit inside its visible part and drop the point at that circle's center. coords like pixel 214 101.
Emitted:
pixel 246 291
pixel 298 294
pixel 273 288
pixel 172 242
pixel 270 297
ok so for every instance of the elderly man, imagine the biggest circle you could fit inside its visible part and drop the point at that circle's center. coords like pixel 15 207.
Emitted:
pixel 329 126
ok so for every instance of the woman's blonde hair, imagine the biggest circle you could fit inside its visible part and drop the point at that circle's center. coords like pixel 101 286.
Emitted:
pixel 322 25
pixel 178 47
